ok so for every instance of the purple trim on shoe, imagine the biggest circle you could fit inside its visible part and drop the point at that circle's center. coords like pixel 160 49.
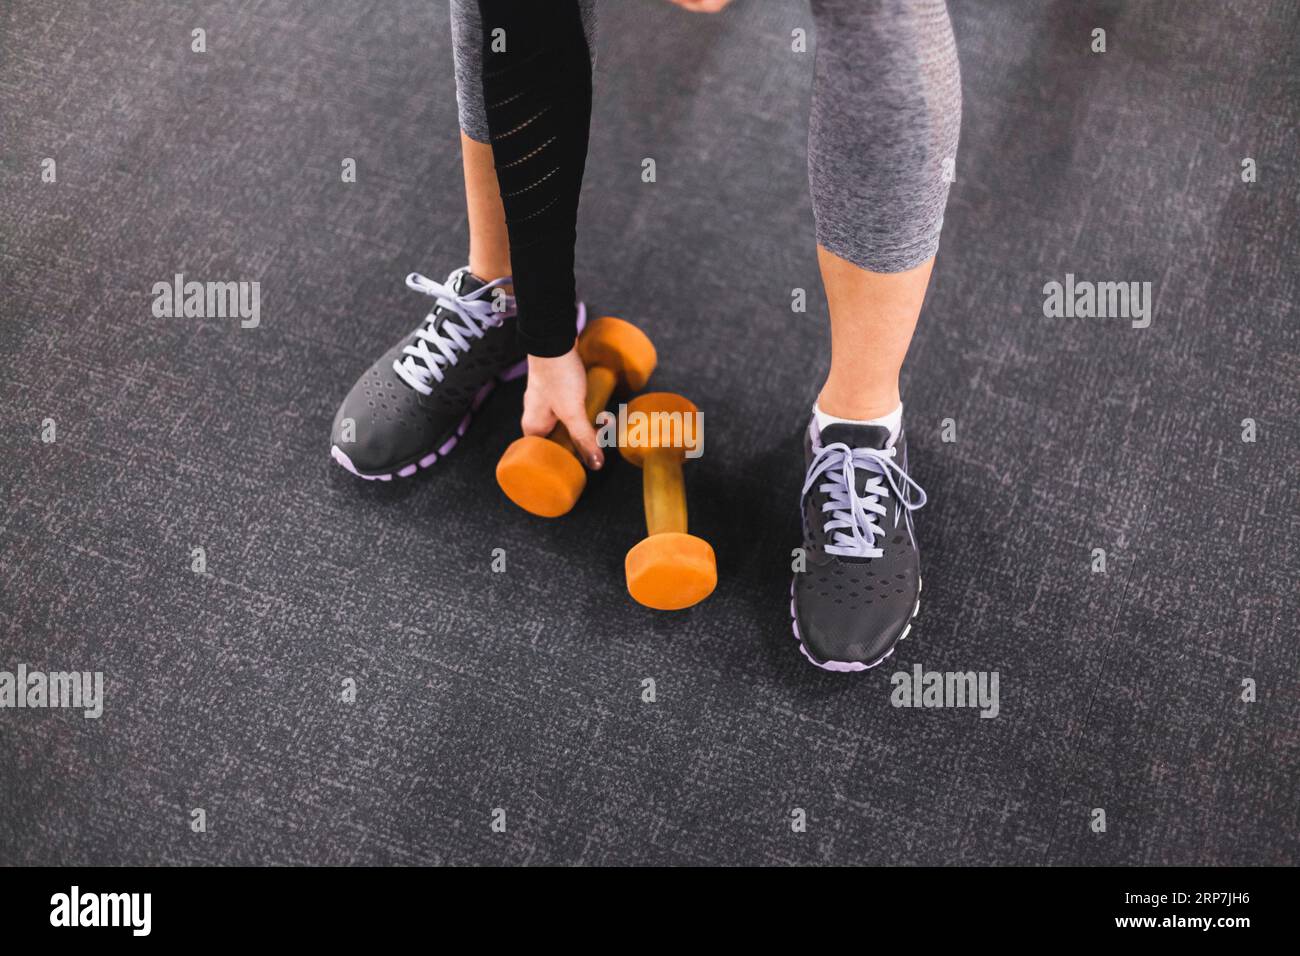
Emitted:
pixel 341 457
pixel 480 397
pixel 518 370
pixel 843 667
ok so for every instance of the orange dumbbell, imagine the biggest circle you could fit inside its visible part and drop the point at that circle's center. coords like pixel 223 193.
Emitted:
pixel 543 475
pixel 669 569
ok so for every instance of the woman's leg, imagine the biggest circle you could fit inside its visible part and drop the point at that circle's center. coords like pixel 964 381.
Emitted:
pixel 873 315
pixel 886 111
pixel 489 242
pixel 413 404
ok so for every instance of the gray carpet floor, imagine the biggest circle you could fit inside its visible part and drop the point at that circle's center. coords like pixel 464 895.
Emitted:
pixel 522 690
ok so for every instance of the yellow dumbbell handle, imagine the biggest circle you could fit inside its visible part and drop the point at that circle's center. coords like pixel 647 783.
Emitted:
pixel 664 491
pixel 600 386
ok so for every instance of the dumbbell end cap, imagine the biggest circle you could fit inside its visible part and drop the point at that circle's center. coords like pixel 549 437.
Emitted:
pixel 620 346
pixel 671 571
pixel 540 476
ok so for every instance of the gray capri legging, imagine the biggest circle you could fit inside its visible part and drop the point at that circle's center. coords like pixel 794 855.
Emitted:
pixel 883 124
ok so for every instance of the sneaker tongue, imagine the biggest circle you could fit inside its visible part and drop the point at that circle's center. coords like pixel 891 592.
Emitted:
pixel 462 282
pixel 856 436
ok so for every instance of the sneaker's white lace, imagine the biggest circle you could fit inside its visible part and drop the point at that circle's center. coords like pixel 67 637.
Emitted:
pixel 422 365
pixel 853 525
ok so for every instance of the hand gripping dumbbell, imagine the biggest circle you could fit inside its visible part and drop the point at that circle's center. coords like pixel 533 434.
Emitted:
pixel 670 569
pixel 543 475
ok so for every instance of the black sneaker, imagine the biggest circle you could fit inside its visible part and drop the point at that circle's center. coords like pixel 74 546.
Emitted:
pixel 413 405
pixel 862 583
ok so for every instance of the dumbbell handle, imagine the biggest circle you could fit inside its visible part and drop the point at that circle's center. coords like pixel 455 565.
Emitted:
pixel 601 382
pixel 664 491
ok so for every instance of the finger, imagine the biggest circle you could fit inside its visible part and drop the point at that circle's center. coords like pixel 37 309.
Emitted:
pixel 584 437
pixel 537 419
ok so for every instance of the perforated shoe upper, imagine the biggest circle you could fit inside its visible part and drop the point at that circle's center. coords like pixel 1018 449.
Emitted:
pixel 852 608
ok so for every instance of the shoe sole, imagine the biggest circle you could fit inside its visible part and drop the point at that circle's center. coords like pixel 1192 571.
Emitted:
pixel 444 448
pixel 850 666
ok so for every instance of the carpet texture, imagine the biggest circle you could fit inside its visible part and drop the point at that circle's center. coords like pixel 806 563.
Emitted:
pixel 522 690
